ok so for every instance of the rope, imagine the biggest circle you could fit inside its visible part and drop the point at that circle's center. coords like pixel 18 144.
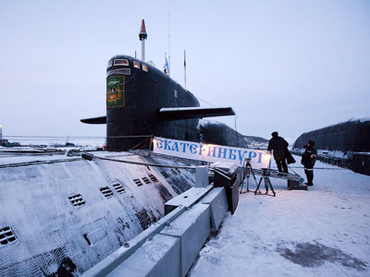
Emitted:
pixel 90 157
pixel 135 136
pixel 319 168
pixel 206 102
pixel 53 137
pixel 38 163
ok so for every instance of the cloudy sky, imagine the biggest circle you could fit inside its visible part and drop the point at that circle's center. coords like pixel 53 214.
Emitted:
pixel 289 65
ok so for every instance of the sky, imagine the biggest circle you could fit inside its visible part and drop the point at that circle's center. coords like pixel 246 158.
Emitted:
pixel 287 66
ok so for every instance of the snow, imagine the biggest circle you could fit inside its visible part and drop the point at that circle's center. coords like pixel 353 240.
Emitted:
pixel 360 118
pixel 324 231
pixel 187 109
pixel 35 203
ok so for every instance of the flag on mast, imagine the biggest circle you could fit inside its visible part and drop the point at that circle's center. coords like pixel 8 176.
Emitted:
pixel 166 68
pixel 185 68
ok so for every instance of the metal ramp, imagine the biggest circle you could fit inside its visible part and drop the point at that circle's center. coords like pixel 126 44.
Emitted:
pixel 294 180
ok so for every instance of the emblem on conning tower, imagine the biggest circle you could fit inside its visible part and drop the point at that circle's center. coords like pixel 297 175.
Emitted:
pixel 115 91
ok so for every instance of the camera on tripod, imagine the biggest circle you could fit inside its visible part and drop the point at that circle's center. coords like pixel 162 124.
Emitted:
pixel 248 170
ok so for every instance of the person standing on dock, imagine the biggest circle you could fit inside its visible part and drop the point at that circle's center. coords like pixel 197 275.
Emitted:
pixel 279 147
pixel 308 161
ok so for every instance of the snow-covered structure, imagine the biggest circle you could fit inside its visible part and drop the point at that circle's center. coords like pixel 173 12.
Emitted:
pixel 346 144
pixel 61 215
pixel 219 133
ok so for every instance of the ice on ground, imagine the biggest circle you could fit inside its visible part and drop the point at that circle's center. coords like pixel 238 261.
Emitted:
pixel 324 231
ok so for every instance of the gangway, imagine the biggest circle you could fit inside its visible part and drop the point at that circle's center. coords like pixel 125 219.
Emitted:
pixel 294 180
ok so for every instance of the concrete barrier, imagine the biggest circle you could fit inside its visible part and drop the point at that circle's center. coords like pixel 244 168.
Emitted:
pixel 193 229
pixel 170 247
pixel 153 259
pixel 217 199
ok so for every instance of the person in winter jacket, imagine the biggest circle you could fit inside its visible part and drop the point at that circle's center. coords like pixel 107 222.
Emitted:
pixel 308 161
pixel 279 147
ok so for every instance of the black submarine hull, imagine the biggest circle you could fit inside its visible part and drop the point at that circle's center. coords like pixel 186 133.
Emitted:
pixel 132 121
pixel 143 102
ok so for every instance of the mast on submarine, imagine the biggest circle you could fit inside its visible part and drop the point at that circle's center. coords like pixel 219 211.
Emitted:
pixel 142 36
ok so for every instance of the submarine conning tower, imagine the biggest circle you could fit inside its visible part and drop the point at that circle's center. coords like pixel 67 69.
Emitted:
pixel 136 91
pixel 143 101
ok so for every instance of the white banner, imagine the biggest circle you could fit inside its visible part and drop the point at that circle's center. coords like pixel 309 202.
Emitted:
pixel 211 152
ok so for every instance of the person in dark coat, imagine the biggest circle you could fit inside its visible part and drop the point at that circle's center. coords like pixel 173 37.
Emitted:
pixel 279 147
pixel 308 161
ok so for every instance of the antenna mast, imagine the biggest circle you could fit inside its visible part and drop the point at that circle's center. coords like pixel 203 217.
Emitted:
pixel 142 36
pixel 169 41
pixel 185 68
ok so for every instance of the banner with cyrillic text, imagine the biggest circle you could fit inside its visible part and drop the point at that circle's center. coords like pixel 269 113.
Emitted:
pixel 211 152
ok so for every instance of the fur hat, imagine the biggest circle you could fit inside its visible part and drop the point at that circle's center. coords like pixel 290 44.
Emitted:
pixel 311 142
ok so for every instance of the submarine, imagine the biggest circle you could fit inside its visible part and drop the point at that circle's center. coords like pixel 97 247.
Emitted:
pixel 60 215
pixel 143 101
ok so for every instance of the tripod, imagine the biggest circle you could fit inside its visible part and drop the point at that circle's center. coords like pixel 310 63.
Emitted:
pixel 266 181
pixel 247 170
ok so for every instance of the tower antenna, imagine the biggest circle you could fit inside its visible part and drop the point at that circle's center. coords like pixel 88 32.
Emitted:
pixel 185 68
pixel 142 36
pixel 169 41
